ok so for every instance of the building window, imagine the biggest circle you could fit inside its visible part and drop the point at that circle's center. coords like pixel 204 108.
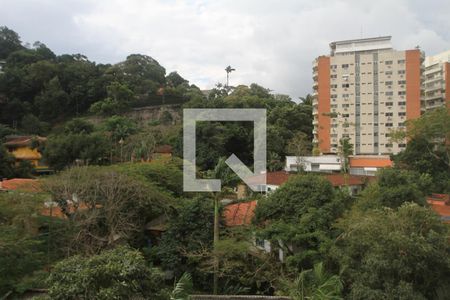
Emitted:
pixel 345 66
pixel 401 72
pixel 345 85
pixel 401 61
pixel 333 67
pixel 388 62
pixel 402 82
pixel 388 82
pixel 389 103
pixel 388 114
pixel 388 145
pixel 345 105
pixel 333 96
pixel 402 114
pixel 402 145
pixel 388 73
pixel 333 86
pixel 345 115
pixel 389 93
pixel 401 124
pixel 402 103
pixel 401 93
pixel 334 76
pixel 388 124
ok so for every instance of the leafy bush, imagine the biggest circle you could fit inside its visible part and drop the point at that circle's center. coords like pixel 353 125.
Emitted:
pixel 121 273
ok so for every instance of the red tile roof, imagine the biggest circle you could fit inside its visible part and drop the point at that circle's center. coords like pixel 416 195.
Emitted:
pixel 20 184
pixel 19 140
pixel 370 162
pixel 272 178
pixel 440 203
pixel 280 177
pixel 277 178
pixel 163 149
pixel 341 180
pixel 239 213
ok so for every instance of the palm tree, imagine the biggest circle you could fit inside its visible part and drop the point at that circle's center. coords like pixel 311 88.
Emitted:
pixel 345 150
pixel 307 100
pixel 182 288
pixel 315 284
pixel 228 178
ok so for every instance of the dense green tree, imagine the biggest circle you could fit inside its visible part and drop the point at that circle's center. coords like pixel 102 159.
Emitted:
pixel 120 127
pixel 120 273
pixel 6 163
pixel 9 42
pixel 119 99
pixel 166 175
pixel 190 233
pixel 65 149
pixel 110 208
pixel 298 218
pixel 143 74
pixel 21 248
pixel 395 187
pixel 78 126
pixel 6 130
pixel 432 127
pixel 393 254
pixel 53 101
pixel 31 125
pixel 174 79
pixel 417 157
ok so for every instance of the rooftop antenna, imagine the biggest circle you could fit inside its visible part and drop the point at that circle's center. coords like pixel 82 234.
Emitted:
pixel 229 69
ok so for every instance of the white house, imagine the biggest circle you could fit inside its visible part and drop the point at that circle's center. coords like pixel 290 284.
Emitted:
pixel 322 163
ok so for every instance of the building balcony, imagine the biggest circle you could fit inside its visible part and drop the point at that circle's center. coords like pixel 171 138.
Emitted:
pixel 429 71
pixel 434 88
pixel 434 96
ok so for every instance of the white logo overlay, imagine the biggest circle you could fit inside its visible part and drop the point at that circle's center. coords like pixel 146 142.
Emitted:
pixel 253 179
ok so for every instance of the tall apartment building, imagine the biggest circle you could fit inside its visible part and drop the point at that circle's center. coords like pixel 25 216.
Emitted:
pixel 436 81
pixel 362 91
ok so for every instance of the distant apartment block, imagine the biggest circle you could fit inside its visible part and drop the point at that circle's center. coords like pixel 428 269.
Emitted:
pixel 363 90
pixel 436 85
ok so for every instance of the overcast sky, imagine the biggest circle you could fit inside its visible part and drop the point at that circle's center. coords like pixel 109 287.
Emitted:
pixel 270 42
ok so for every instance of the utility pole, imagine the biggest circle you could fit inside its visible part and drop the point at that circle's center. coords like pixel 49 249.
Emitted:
pixel 215 242
pixel 229 69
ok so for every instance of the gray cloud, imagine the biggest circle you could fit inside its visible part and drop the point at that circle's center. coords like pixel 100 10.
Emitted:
pixel 269 42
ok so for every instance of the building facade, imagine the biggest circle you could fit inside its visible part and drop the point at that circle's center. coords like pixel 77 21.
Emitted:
pixel 436 81
pixel 363 90
pixel 321 163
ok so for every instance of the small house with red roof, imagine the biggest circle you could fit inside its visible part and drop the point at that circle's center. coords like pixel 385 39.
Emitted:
pixel 275 179
pixel 368 165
